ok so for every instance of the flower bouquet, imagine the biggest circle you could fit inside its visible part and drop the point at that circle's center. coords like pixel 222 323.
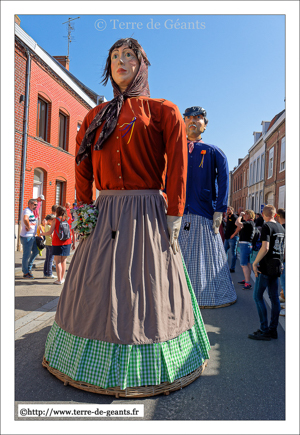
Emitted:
pixel 85 218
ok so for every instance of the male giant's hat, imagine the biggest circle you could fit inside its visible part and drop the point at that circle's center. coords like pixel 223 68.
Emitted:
pixel 194 111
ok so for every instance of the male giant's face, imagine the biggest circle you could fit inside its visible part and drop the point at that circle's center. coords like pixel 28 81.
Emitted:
pixel 195 125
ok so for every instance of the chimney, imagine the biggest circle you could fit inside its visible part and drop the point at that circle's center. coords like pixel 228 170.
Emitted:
pixel 17 20
pixel 63 60
pixel 239 161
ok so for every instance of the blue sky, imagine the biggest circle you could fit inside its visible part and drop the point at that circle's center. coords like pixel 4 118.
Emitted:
pixel 232 65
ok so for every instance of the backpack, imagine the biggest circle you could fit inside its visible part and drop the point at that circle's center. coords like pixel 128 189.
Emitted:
pixel 63 230
pixel 256 241
pixel 40 242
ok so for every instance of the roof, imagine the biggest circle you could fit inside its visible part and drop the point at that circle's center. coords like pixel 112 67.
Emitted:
pixel 276 117
pixel 81 89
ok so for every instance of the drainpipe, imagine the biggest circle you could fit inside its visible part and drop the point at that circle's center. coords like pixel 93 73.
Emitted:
pixel 25 136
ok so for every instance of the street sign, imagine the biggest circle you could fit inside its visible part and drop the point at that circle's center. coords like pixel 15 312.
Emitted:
pixel 261 207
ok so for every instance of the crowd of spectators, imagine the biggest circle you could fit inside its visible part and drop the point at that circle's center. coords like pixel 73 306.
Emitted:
pixel 239 230
pixel 57 251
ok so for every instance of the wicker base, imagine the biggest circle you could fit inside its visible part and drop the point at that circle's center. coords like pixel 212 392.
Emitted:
pixel 132 392
pixel 217 306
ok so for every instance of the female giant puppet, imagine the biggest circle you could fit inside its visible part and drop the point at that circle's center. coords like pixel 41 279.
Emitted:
pixel 127 321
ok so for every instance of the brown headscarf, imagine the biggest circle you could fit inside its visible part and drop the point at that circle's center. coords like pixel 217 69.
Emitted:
pixel 110 112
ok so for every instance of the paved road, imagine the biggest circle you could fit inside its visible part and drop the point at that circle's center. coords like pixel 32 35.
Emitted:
pixel 244 379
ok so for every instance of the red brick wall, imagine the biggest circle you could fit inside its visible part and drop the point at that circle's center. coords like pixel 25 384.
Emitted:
pixel 56 163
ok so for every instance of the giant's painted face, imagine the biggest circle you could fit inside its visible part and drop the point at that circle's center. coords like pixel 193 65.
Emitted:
pixel 124 66
pixel 195 125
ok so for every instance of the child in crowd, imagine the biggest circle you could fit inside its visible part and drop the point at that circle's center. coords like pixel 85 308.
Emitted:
pixel 41 228
pixel 61 249
pixel 49 250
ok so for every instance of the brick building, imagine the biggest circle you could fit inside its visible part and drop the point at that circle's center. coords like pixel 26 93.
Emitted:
pixel 259 178
pixel 50 105
pixel 239 184
pixel 274 192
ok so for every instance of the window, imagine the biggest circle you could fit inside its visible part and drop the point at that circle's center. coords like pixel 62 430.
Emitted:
pixel 59 192
pixel 63 124
pixel 281 197
pixel 282 155
pixel 254 172
pixel 250 180
pixel 271 161
pixel 78 126
pixel 258 169
pixel 38 180
pixel 262 172
pixel 42 119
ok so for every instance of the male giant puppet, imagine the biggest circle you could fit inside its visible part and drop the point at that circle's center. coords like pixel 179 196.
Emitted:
pixel 206 200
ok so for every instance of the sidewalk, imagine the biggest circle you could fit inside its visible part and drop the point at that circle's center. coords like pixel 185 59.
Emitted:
pixel 35 300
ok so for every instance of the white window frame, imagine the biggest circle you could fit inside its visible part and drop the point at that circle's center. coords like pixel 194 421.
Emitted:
pixel 271 163
pixel 254 172
pixel 282 155
pixel 258 169
pixel 250 178
pixel 262 172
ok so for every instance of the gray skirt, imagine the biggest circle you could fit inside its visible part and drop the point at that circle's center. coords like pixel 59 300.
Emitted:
pixel 124 284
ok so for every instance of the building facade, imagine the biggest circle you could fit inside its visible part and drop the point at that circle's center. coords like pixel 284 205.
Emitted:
pixel 259 178
pixel 274 192
pixel 50 105
pixel 239 184
pixel 257 170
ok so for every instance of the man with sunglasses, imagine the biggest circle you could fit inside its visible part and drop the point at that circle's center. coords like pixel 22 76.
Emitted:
pixel 28 232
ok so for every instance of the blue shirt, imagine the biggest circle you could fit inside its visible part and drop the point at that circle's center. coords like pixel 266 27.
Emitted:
pixel 207 186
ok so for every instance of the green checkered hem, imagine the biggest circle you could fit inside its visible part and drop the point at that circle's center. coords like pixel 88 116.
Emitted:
pixel 113 365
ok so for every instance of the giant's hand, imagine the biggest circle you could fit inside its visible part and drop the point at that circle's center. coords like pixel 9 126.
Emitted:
pixel 174 224
pixel 217 220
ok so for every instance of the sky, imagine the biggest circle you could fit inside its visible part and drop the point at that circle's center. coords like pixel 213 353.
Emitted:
pixel 239 65
pixel 232 65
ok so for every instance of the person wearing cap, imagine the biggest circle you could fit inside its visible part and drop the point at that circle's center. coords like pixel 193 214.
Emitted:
pixel 206 201
pixel 27 237
pixel 39 203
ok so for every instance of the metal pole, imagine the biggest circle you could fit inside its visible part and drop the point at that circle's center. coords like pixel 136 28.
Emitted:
pixel 25 136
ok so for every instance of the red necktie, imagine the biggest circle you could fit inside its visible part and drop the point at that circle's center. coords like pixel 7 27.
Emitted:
pixel 191 147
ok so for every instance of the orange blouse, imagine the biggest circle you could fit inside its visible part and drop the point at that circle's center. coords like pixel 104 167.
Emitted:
pixel 155 146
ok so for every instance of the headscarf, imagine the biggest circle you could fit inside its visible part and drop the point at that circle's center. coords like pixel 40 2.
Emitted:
pixel 110 112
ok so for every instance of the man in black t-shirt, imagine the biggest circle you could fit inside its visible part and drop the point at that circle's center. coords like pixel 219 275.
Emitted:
pixel 231 237
pixel 273 243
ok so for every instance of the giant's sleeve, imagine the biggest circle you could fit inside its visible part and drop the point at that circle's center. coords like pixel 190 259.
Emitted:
pixel 84 171
pixel 222 180
pixel 174 136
